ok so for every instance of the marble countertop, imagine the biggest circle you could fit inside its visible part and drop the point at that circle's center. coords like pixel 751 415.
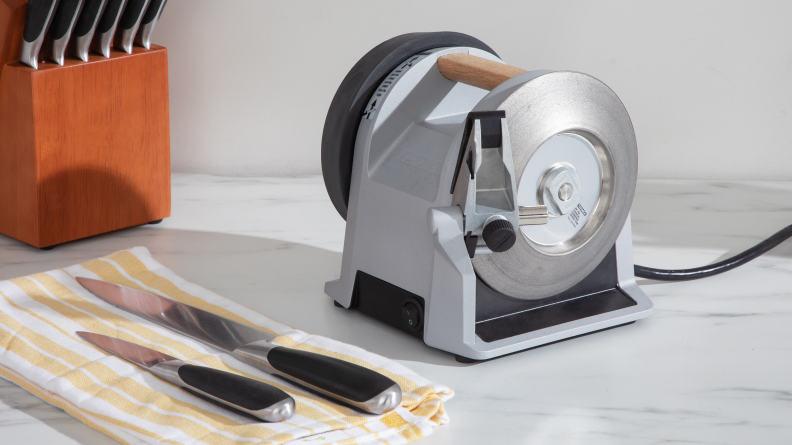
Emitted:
pixel 712 366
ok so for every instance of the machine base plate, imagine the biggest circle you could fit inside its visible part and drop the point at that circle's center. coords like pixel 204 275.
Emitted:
pixel 466 360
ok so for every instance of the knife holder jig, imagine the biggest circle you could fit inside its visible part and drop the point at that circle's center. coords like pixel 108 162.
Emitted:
pixel 487 206
pixel 84 147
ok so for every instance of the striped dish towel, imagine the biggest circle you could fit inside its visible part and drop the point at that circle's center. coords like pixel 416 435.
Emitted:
pixel 39 351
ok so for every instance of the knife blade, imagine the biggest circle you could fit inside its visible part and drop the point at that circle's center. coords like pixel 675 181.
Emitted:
pixel 150 19
pixel 129 24
pixel 86 27
pixel 241 393
pixel 346 382
pixel 37 21
pixel 105 30
pixel 62 26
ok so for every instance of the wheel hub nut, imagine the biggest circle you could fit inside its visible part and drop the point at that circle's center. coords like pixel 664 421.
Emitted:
pixel 565 192
pixel 559 189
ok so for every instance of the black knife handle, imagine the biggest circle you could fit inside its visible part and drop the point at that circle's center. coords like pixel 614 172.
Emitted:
pixel 87 19
pixel 152 11
pixel 344 379
pixel 109 16
pixel 64 17
pixel 236 390
pixel 38 11
pixel 131 14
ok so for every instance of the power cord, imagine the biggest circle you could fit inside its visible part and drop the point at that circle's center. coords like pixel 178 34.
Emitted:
pixel 717 268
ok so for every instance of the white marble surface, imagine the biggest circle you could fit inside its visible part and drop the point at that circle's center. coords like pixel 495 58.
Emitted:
pixel 713 366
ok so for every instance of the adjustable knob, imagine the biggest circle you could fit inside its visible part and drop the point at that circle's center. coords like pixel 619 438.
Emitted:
pixel 499 235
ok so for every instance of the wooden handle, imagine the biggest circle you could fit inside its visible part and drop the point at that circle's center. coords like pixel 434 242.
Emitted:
pixel 475 71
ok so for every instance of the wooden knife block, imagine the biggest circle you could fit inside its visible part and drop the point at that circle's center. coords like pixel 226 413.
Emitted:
pixel 84 148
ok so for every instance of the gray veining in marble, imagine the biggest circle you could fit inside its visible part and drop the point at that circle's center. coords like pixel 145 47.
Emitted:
pixel 713 366
pixel 26 419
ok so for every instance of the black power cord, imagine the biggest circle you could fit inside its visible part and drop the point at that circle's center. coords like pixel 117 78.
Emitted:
pixel 720 267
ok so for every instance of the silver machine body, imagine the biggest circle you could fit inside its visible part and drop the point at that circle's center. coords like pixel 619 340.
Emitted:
pixel 406 227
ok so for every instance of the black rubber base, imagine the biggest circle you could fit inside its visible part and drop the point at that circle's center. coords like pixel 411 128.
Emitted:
pixel 47 248
pixel 466 360
pixel 352 96
pixel 156 222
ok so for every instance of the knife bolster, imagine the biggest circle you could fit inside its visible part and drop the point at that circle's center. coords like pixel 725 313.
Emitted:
pixel 168 371
pixel 84 147
pixel 256 353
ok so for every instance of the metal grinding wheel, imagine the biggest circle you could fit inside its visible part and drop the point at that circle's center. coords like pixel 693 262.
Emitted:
pixel 487 207
pixel 570 121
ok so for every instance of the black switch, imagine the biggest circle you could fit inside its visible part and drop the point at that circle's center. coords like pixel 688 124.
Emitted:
pixel 412 316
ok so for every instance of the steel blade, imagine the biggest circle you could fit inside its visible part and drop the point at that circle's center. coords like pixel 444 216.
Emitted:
pixel 195 323
pixel 140 355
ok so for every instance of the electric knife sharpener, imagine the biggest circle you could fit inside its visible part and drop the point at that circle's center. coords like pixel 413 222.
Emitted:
pixel 487 207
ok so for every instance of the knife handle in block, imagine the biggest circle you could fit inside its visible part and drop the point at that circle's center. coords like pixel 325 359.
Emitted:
pixel 108 23
pixel 38 17
pixel 62 28
pixel 241 393
pixel 347 382
pixel 129 22
pixel 149 22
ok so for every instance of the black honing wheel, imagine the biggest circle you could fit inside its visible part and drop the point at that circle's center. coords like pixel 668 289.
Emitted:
pixel 346 109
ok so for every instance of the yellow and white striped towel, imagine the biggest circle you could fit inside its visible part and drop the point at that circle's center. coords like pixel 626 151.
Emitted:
pixel 39 351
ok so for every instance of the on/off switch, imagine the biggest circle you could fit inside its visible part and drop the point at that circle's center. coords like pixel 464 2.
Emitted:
pixel 411 315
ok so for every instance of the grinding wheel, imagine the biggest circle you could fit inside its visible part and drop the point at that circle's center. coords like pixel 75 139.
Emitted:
pixel 352 96
pixel 563 119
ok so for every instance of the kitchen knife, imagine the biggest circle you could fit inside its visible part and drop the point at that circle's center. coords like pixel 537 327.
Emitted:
pixel 241 393
pixel 130 22
pixel 62 26
pixel 37 21
pixel 106 28
pixel 150 19
pixel 346 382
pixel 86 27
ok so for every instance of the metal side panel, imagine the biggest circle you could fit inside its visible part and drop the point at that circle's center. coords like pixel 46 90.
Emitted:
pixel 394 184
pixel 450 314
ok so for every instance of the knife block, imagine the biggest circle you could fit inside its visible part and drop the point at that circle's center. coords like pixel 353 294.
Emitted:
pixel 85 147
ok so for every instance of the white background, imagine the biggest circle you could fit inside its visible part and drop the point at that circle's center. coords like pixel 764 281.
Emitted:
pixel 708 84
